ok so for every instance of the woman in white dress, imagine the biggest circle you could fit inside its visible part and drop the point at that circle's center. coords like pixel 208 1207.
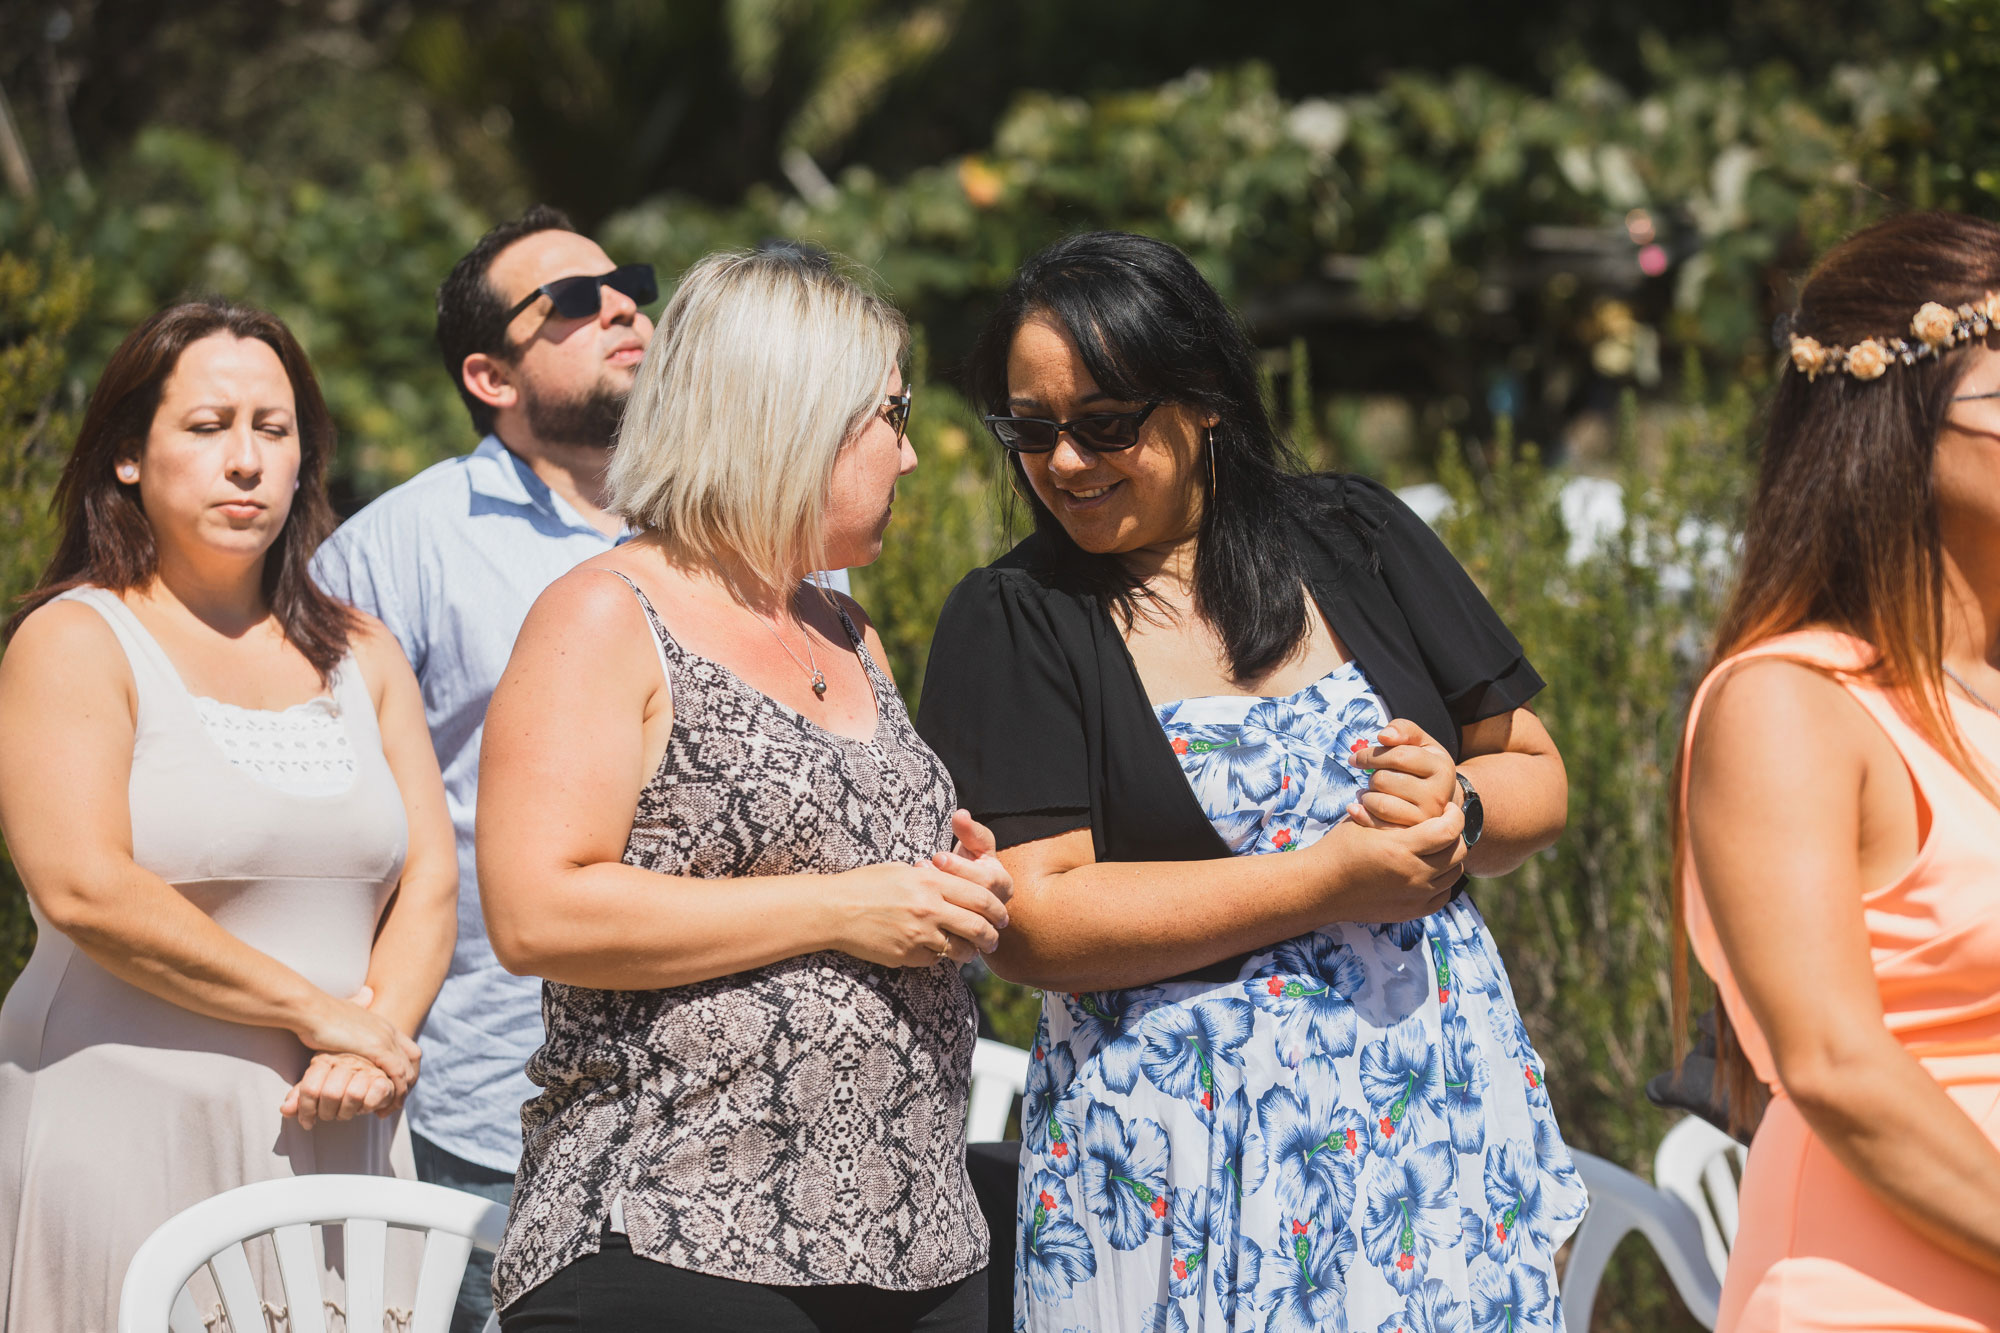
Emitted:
pixel 217 787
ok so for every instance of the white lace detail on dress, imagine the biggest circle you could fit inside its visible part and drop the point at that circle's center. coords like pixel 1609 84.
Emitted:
pixel 303 750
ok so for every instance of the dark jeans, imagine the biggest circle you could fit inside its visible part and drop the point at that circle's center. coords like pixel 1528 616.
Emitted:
pixel 437 1167
pixel 616 1291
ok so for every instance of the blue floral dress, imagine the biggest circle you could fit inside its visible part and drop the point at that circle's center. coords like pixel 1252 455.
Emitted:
pixel 1354 1135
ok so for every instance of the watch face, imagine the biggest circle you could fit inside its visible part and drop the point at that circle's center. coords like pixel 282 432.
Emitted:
pixel 1474 811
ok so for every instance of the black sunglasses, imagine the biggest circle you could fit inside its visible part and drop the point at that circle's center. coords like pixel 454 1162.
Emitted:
pixel 579 297
pixel 896 411
pixel 1100 432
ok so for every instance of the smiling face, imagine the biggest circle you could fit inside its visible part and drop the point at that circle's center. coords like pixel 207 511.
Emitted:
pixel 1148 497
pixel 218 467
pixel 566 379
pixel 863 486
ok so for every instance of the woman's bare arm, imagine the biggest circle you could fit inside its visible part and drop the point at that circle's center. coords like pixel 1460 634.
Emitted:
pixel 1784 766
pixel 563 761
pixel 413 944
pixel 67 706
pixel 1082 924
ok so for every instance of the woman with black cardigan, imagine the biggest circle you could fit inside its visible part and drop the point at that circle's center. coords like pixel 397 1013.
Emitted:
pixel 1268 1091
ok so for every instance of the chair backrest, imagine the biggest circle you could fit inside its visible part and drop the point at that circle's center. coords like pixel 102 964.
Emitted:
pixel 1700 1165
pixel 1621 1203
pixel 999 1075
pixel 212 1234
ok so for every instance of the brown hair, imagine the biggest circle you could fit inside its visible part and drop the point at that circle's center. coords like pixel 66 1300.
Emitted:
pixel 1843 527
pixel 106 538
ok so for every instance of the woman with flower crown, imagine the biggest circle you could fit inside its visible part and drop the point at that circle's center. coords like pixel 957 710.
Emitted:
pixel 1239 734
pixel 1840 818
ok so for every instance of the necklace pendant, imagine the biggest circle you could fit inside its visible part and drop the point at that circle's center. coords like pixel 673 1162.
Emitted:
pixel 819 683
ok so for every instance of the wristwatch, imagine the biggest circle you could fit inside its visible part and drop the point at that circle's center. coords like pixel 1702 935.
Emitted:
pixel 1475 813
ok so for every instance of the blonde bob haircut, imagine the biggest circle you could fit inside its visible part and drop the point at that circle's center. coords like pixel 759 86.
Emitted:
pixel 764 364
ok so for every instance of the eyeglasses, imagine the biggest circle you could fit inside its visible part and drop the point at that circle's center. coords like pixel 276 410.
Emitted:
pixel 896 411
pixel 579 297
pixel 1100 432
pixel 1975 397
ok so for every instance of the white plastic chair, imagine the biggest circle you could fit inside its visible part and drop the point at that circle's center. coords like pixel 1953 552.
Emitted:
pixel 1621 1203
pixel 999 1075
pixel 212 1233
pixel 1700 1165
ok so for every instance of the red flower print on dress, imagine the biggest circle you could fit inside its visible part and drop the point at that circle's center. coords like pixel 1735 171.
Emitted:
pixel 1529 1070
pixel 1048 1201
pixel 1298 1227
pixel 1180 1269
pixel 1501 1231
pixel 1059 1150
pixel 1353 1144
pixel 1159 1205
pixel 1275 985
pixel 1406 1262
pixel 1388 1127
pixel 1444 996
pixel 1281 839
pixel 1180 745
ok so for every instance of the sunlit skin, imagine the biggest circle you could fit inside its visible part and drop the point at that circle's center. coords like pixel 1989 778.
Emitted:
pixel 216 474
pixel 1076 920
pixel 574 733
pixel 558 359
pixel 1798 805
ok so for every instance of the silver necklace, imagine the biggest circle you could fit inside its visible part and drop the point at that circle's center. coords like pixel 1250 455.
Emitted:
pixel 818 676
pixel 1970 693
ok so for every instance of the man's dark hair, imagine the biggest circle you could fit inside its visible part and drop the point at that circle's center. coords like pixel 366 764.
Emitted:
pixel 471 316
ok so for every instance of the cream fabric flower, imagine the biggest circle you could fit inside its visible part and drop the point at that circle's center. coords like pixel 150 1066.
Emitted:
pixel 1808 356
pixel 1867 360
pixel 1932 325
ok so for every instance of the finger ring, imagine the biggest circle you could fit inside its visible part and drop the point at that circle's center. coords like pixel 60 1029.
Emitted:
pixel 944 955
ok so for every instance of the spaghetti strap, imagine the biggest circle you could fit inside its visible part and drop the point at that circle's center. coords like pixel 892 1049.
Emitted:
pixel 660 636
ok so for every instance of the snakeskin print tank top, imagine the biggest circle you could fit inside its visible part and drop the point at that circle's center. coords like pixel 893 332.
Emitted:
pixel 802 1124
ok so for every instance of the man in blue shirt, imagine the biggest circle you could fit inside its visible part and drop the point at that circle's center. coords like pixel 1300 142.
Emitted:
pixel 543 336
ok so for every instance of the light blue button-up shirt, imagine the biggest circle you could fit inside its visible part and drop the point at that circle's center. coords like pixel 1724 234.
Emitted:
pixel 451 561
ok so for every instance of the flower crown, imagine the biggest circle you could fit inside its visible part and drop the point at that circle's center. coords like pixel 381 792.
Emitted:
pixel 1934 327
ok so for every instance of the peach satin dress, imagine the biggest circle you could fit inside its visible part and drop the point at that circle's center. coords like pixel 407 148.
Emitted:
pixel 1816 1250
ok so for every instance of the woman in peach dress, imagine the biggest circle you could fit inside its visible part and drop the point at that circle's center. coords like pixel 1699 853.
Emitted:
pixel 1841 808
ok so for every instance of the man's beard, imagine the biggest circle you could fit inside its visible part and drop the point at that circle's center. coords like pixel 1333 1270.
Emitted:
pixel 588 421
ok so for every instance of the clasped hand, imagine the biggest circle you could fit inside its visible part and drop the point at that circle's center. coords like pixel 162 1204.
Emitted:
pixel 1402 846
pixel 362 1065
pixel 953 906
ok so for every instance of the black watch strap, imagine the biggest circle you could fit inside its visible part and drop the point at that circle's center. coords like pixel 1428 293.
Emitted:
pixel 1475 812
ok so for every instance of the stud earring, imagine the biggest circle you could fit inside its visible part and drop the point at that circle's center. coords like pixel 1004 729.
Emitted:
pixel 128 473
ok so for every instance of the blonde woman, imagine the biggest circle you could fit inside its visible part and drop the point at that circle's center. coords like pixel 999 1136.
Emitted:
pixel 706 821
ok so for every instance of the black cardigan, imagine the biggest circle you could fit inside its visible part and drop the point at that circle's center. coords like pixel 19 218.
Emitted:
pixel 1032 700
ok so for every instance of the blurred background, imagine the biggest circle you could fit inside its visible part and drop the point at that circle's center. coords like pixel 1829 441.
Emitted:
pixel 1521 259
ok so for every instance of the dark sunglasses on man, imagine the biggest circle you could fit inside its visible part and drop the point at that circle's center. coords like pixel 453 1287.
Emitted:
pixel 1100 432
pixel 580 297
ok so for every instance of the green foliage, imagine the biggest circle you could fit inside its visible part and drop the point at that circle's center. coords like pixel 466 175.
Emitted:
pixel 1423 201
pixel 42 297
pixel 1619 635
pixel 352 272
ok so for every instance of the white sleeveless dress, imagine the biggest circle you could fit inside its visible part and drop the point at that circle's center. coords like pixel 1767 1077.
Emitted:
pixel 117 1108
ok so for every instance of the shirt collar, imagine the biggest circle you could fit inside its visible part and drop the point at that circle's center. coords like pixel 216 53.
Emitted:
pixel 498 473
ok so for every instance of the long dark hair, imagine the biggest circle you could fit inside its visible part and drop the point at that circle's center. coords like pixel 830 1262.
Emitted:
pixel 106 538
pixel 1843 528
pixel 1148 327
